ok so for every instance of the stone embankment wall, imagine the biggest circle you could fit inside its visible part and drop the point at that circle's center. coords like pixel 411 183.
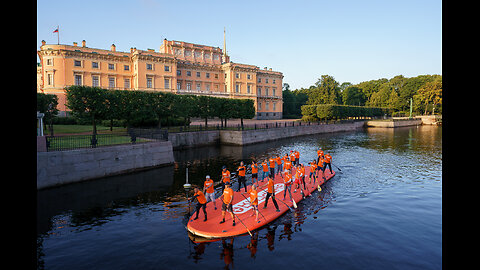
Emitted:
pixel 63 167
pixel 246 137
pixel 394 124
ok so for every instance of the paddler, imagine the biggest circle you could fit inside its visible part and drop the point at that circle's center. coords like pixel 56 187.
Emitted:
pixel 279 160
pixel 225 177
pixel 271 193
pixel 241 176
pixel 254 167
pixel 297 157
pixel 272 164
pixel 327 162
pixel 209 191
pixel 319 154
pixel 227 203
pixel 254 201
pixel 313 168
pixel 292 158
pixel 201 202
pixel 287 181
pixel 264 170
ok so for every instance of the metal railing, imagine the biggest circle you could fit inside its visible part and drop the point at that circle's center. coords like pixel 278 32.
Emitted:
pixel 131 136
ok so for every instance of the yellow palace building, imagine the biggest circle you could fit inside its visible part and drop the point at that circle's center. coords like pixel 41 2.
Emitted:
pixel 177 67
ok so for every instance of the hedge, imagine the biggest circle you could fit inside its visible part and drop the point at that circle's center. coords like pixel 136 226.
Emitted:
pixel 334 111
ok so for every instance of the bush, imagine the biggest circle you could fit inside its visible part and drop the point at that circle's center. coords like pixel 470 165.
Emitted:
pixel 333 111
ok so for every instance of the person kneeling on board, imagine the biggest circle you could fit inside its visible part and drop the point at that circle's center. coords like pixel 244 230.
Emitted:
pixel 271 193
pixel 209 191
pixel 201 203
pixel 227 202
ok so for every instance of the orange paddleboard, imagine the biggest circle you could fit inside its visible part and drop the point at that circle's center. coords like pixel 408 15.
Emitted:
pixel 243 210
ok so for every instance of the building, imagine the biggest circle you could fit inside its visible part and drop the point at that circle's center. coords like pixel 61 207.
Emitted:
pixel 178 67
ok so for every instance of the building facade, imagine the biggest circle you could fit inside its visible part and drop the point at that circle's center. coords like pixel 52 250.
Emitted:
pixel 177 67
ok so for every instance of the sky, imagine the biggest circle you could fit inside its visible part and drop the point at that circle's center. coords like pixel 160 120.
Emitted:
pixel 351 40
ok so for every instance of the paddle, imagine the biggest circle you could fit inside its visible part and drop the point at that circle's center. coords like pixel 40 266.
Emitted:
pixel 286 205
pixel 242 223
pixel 336 166
pixel 252 205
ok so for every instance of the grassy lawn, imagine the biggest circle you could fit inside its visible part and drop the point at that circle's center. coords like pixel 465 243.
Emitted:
pixel 71 129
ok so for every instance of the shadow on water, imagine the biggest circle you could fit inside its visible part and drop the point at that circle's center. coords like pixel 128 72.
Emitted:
pixel 365 157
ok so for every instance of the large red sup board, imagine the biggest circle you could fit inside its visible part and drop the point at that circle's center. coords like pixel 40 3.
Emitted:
pixel 243 210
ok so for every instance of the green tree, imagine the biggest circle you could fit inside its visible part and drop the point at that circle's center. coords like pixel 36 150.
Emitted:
pixel 327 91
pixel 353 95
pixel 430 93
pixel 87 102
pixel 47 104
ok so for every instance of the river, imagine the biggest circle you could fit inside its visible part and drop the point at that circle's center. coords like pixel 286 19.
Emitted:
pixel 383 210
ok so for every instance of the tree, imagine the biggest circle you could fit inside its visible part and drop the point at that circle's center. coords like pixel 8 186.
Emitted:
pixel 327 91
pixel 47 104
pixel 353 95
pixel 431 92
pixel 87 102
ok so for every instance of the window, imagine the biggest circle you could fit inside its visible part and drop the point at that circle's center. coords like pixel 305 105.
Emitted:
pixel 198 86
pixel 189 73
pixel 248 76
pixel 111 82
pixel 78 79
pixel 266 80
pixel 259 80
pixel 49 62
pixel 94 64
pixel 237 75
pixel 49 79
pixel 248 89
pixel 95 81
pixel 149 82
pixel 237 88
pixel 126 83
pixel 273 81
pixel 207 75
pixel 167 68
pixel 77 63
pixel 149 67
pixel 266 105
pixel 273 91
pixel 126 67
pixel 207 87
pixel 259 106
pixel 111 66
pixel 259 91
pixel 274 103
pixel 216 76
pixel 179 73
pixel 198 74
pixel 167 83
pixel 179 85
pixel 189 86
pixel 216 56
pixel 266 91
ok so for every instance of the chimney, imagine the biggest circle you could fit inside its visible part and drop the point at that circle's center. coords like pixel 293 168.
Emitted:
pixel 43 42
pixel 270 69
pixel 84 43
pixel 113 48
pixel 75 44
pixel 131 49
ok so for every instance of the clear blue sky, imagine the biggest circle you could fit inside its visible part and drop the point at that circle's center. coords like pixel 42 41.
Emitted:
pixel 351 40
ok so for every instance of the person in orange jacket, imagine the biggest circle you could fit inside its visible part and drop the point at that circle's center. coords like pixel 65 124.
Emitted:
pixel 225 177
pixel 201 203
pixel 209 191
pixel 254 167
pixel 313 170
pixel 241 176
pixel 287 181
pixel 264 170
pixel 327 162
pixel 227 202
pixel 254 201
pixel 272 166
pixel 271 193
pixel 279 160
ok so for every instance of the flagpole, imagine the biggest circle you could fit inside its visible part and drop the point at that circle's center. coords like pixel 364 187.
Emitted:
pixel 58 35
